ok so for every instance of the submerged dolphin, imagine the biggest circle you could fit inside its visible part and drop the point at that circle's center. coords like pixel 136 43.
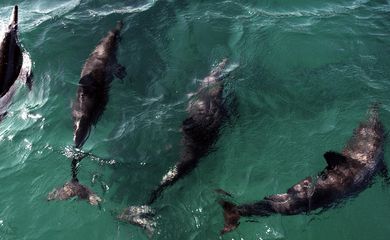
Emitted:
pixel 15 63
pixel 200 131
pixel 92 93
pixel 91 100
pixel 346 174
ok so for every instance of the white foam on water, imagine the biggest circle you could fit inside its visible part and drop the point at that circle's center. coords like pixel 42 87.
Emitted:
pixel 123 10
pixel 106 10
pixel 34 13
pixel 326 11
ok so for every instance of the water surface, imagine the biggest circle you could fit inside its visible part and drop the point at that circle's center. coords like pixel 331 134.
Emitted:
pixel 307 72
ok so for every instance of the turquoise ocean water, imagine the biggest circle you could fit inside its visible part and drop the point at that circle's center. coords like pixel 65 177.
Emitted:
pixel 304 74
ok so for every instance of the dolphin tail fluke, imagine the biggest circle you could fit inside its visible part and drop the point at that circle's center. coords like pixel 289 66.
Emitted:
pixel 74 189
pixel 231 216
pixel 142 216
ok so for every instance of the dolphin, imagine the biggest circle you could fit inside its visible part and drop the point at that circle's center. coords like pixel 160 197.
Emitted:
pixel 200 129
pixel 206 115
pixel 15 63
pixel 92 93
pixel 91 100
pixel 346 174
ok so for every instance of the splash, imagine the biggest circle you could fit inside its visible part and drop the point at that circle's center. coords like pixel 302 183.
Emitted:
pixel 75 153
pixel 122 10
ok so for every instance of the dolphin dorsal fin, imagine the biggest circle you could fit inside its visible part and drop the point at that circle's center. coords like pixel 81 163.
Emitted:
pixel 14 17
pixel 333 159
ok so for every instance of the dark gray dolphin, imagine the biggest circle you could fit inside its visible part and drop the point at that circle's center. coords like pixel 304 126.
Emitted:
pixel 91 100
pixel 14 63
pixel 200 131
pixel 346 174
pixel 92 93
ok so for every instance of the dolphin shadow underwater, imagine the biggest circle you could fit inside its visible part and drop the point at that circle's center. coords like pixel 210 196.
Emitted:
pixel 206 115
pixel 92 97
pixel 346 174
pixel 15 64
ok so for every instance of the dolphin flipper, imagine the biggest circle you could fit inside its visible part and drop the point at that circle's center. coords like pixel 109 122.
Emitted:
pixel 223 192
pixel 120 71
pixel 3 115
pixel 333 159
pixel 384 173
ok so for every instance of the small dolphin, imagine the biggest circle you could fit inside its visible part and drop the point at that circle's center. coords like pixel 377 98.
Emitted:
pixel 346 174
pixel 94 84
pixel 91 100
pixel 200 131
pixel 15 63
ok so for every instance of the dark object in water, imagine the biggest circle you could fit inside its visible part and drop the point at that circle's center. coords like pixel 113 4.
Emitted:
pixel 346 174
pixel 91 100
pixel 200 131
pixel 92 93
pixel 15 63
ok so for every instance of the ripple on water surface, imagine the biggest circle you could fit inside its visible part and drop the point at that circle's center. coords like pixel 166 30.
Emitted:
pixel 303 73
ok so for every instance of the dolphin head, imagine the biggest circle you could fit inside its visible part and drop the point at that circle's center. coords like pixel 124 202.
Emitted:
pixel 81 130
pixel 217 72
pixel 143 216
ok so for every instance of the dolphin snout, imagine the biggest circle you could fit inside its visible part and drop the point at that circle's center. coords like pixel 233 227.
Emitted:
pixel 217 72
pixel 223 62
